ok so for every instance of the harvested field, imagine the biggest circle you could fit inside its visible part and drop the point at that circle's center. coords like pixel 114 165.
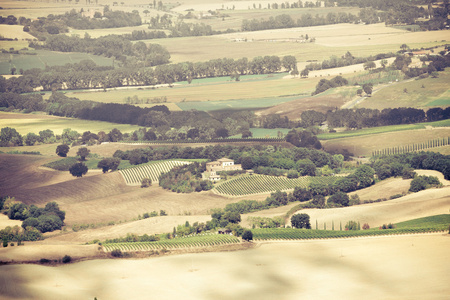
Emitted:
pixel 417 268
pixel 25 123
pixel 14 31
pixel 365 145
pixel 5 221
pixel 293 109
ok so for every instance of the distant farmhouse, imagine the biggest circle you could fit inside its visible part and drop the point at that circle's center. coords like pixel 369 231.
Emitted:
pixel 223 164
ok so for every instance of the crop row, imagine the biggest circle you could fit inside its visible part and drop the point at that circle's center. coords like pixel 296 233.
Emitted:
pixel 304 234
pixel 181 242
pixel 255 184
pixel 134 176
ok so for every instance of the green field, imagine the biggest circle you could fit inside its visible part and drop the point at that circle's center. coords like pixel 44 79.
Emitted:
pixel 439 220
pixel 262 234
pixel 257 184
pixel 25 123
pixel 45 58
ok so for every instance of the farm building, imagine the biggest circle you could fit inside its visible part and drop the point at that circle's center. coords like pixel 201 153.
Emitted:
pixel 223 164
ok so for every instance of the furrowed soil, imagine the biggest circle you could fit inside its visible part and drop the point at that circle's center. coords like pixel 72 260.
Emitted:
pixel 393 267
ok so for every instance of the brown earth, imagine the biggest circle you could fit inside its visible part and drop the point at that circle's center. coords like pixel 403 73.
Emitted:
pixel 394 267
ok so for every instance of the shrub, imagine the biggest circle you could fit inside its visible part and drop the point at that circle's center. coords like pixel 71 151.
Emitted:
pixel 66 259
pixel 366 226
pixel 146 182
pixel 12 244
pixel 351 225
pixel 117 253
pixel 292 174
pixel 388 226
pixel 247 235
pixel 44 261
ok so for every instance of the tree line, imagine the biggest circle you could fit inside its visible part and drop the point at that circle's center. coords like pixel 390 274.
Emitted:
pixel 87 74
pixel 366 117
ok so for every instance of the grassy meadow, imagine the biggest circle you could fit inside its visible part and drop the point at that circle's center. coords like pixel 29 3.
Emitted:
pixel 42 58
pixel 421 93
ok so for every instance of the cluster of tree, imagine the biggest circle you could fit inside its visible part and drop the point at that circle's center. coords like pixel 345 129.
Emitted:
pixel 18 234
pixel 303 138
pixel 362 117
pixel 185 179
pixel 264 222
pixel 110 46
pixel 9 20
pixel 390 12
pixel 346 60
pixel 325 84
pixel 420 183
pixel 43 27
pixel 420 160
pixel 306 20
pixel 45 219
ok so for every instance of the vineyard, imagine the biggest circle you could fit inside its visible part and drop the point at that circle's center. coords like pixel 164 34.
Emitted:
pixel 262 234
pixel 134 176
pixel 256 184
pixel 413 147
pixel 200 240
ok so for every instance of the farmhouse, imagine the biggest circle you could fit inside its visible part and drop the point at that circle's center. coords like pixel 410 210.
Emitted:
pixel 223 164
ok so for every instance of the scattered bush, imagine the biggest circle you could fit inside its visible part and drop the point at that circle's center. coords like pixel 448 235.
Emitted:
pixel 117 253
pixel 45 261
pixel 66 259
pixel 351 225
pixel 388 226
pixel 146 182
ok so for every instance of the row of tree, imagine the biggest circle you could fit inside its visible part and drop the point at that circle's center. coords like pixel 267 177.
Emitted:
pixel 85 75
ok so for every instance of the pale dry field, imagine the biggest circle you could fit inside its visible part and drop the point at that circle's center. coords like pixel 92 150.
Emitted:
pixel 394 267
pixel 14 31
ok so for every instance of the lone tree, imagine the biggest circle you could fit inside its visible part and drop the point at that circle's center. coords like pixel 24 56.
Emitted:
pixel 247 235
pixel 62 150
pixel 368 88
pixel 78 169
pixel 300 221
pixel 83 152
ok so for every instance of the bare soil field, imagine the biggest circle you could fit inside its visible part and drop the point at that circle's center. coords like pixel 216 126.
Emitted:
pixel 293 109
pixel 394 267
pixel 365 145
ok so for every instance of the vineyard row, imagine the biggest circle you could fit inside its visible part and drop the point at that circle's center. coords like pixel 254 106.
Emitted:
pixel 182 242
pixel 134 176
pixel 256 184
